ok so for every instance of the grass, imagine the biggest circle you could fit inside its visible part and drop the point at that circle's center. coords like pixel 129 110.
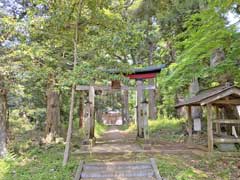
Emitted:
pixel 175 167
pixel 37 163
pixel 100 129
pixel 167 129
pixel 28 160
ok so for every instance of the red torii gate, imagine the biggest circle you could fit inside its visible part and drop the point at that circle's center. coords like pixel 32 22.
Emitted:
pixel 137 74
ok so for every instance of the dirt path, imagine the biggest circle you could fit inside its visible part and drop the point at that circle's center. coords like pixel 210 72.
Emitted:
pixel 114 133
pixel 117 141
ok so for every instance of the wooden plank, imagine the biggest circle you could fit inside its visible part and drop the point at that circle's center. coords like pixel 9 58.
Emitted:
pixel 155 169
pixel 209 127
pixel 79 171
pixel 227 121
pixel 226 140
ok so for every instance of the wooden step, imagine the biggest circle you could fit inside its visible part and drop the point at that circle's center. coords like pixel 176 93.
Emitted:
pixel 117 166
pixel 118 170
pixel 123 173
pixel 122 178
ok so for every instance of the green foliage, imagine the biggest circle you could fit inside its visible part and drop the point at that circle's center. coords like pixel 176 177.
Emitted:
pixel 38 163
pixel 167 129
pixel 99 129
pixel 172 167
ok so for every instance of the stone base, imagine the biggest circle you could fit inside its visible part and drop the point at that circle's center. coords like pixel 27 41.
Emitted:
pixel 90 142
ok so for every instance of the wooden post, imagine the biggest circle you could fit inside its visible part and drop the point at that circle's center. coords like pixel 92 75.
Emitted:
pixel 87 121
pixel 125 107
pixel 91 117
pixel 144 107
pixel 139 101
pixel 81 110
pixel 190 123
pixel 70 123
pixel 218 129
pixel 209 127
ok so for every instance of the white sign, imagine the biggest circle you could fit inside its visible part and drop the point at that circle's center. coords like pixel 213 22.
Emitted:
pixel 197 124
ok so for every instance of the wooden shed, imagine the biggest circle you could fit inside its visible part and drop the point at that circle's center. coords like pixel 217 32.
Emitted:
pixel 214 100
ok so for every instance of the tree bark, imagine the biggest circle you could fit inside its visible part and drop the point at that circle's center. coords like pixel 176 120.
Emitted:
pixel 53 114
pixel 152 101
pixel 152 94
pixel 3 119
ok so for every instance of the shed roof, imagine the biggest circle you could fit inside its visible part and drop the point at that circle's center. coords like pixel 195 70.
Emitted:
pixel 210 95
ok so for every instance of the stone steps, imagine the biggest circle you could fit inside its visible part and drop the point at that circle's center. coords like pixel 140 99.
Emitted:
pixel 121 178
pixel 117 170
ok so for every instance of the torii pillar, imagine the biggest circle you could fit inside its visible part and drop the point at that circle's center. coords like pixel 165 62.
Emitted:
pixel 140 94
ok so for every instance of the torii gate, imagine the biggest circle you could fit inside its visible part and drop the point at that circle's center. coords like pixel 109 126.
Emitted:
pixel 142 119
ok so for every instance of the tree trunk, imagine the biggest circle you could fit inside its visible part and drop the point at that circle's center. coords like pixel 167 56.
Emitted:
pixel 3 119
pixel 152 101
pixel 53 114
pixel 70 121
pixel 217 58
pixel 152 93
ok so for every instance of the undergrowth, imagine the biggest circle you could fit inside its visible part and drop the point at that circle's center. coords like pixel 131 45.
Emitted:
pixel 167 129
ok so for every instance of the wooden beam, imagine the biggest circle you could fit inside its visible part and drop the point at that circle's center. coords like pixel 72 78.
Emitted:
pixel 209 127
pixel 227 121
pixel 226 140
pixel 228 101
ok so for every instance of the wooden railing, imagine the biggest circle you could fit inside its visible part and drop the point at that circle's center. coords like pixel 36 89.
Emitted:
pixel 227 139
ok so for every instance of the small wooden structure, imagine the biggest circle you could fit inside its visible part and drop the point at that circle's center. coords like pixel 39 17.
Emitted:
pixel 214 100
